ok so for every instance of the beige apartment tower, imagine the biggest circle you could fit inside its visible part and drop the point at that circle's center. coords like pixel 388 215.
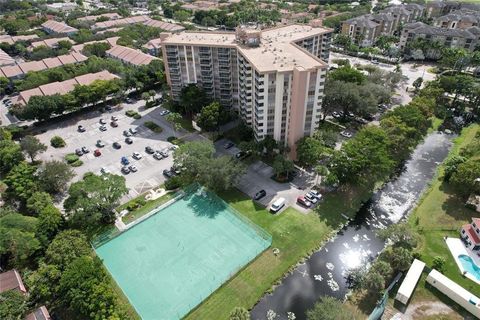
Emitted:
pixel 273 77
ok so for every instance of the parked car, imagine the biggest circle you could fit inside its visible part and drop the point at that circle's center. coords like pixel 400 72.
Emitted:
pixel 97 153
pixel 85 150
pixel 102 121
pixel 136 156
pixel 127 133
pixel 6 100
pixel 125 170
pixel 304 202
pixel 108 108
pixel 133 131
pixel 81 128
pixel 164 112
pixel 104 170
pixel 346 134
pixel 228 145
pixel 124 160
pixel 149 150
pixel 164 153
pixel 79 152
pixel 260 194
pixel 114 118
pixel 114 124
pixel 242 154
pixel 336 114
pixel 103 128
pixel 133 168
pixel 157 155
pixel 167 173
pixel 100 144
pixel 175 170
pixel 129 100
pixel 278 204
pixel 316 194
pixel 128 140
pixel 311 198
pixel 117 145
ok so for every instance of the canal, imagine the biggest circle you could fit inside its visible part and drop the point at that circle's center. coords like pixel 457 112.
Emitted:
pixel 324 272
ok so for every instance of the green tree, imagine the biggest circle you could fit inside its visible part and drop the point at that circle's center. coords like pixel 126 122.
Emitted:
pixel 38 201
pixel 465 178
pixel 209 118
pixel 401 258
pixel 329 308
pixel 192 156
pixel 400 235
pixel 439 263
pixel 220 174
pixel 98 49
pixel 347 74
pixel 91 201
pixel 309 151
pixel 66 247
pixel 54 176
pixel 13 305
pixel 374 282
pixel 32 146
pixel 192 99
pixel 43 284
pixel 17 238
pixel 451 166
pixel 10 155
pixel 50 221
pixel 383 268
pixel 282 166
pixel 239 314
pixel 21 182
pixel 417 83
pixel 174 119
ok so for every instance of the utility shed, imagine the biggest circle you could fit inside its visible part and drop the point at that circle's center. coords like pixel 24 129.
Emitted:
pixel 455 292
pixel 410 282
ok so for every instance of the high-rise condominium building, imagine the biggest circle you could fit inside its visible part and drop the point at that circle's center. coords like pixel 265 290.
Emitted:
pixel 273 77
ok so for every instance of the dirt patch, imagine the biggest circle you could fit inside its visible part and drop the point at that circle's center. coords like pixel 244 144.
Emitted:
pixel 427 310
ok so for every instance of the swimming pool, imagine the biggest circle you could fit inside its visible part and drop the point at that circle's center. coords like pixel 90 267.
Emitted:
pixel 469 266
pixel 169 263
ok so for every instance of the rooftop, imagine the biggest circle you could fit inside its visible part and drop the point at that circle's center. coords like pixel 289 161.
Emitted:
pixel 111 41
pixel 5 59
pixel 58 27
pixel 277 50
pixel 50 42
pixel 11 40
pixel 39 314
pixel 11 280
pixel 131 56
pixel 111 16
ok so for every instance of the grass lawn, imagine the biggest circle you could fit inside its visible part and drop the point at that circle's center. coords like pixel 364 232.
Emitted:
pixel 439 213
pixel 144 209
pixel 295 234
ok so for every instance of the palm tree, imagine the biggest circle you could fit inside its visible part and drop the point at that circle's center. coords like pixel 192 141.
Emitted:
pixel 174 118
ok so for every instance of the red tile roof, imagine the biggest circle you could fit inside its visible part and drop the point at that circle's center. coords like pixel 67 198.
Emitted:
pixel 129 55
pixel 11 280
pixel 471 233
pixel 39 314
pixel 58 27
pixel 5 59
pixel 32 66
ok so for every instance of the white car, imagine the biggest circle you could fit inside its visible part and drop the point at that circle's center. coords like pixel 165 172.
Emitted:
pixel 316 194
pixel 164 112
pixel 310 197
pixel 346 134
pixel 133 168
pixel 137 156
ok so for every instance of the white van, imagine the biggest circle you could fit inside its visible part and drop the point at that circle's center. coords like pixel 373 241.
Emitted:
pixel 277 205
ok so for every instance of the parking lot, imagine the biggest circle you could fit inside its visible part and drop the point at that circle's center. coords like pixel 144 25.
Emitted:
pixel 150 170
pixel 258 177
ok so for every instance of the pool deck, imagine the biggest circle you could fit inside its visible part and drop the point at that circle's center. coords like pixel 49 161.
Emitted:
pixel 457 248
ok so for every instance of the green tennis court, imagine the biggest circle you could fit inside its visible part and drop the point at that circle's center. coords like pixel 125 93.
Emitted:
pixel 170 262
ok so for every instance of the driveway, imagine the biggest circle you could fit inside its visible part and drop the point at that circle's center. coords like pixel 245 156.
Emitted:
pixel 149 172
pixel 258 177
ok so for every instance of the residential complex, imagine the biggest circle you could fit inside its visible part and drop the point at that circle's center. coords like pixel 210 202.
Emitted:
pixel 130 56
pixel 55 27
pixel 470 234
pixel 273 77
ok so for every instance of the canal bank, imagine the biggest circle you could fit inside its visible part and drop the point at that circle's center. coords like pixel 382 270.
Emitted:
pixel 325 271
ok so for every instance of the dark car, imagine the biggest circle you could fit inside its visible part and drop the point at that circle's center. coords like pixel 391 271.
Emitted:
pixel 85 150
pixel 128 140
pixel 228 145
pixel 260 194
pixel 167 173
pixel 103 128
pixel 102 121
pixel 114 124
pixel 97 153
pixel 242 154
pixel 149 150
pixel 124 161
pixel 114 118
pixel 81 128
pixel 117 145
pixel 127 133
pixel 78 152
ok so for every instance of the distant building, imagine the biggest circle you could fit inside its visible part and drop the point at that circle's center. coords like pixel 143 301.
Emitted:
pixel 154 47
pixel 55 27
pixel 130 56
pixel 136 20
pixel 109 16
pixel 63 87
pixel 362 30
pixel 62 6
pixel 452 38
pixel 470 234
pixel 273 77
pixel 13 39
pixel 49 43
pixel 459 19
pixel 435 9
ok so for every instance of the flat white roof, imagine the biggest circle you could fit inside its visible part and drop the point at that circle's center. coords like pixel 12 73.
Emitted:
pixel 410 282
pixel 453 286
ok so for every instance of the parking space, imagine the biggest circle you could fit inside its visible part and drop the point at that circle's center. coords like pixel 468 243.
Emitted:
pixel 150 170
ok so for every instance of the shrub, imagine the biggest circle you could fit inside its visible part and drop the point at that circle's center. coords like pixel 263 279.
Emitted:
pixel 57 142
pixel 77 163
pixel 153 126
pixel 130 113
pixel 132 205
pixel 142 201
pixel 171 139
pixel 137 116
pixel 439 263
pixel 172 183
pixel 71 158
